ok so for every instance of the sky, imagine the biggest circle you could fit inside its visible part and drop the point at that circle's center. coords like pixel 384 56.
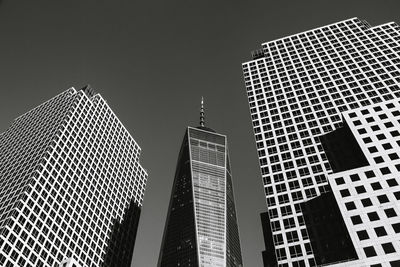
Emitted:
pixel 153 61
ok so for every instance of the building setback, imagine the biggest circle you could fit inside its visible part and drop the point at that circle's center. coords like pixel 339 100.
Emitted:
pixel 299 90
pixel 71 185
pixel 201 228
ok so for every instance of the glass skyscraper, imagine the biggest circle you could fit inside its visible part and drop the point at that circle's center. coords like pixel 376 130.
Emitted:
pixel 201 228
pixel 71 185
pixel 302 90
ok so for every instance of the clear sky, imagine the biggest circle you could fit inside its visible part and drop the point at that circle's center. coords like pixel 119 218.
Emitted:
pixel 152 61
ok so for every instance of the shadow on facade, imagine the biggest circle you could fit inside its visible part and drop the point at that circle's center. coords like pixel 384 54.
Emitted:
pixel 120 246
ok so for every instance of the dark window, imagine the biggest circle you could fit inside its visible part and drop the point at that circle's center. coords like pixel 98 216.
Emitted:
pixel 373 216
pixel 388 248
pixel 360 189
pixel 367 140
pixel 339 181
pixel 396 227
pixel 356 219
pixel 362 235
pixel 370 174
pixel 385 170
pixel 376 186
pixel 392 182
pixel 372 149
pixel 380 231
pixel 383 199
pixel 370 252
pixel 350 206
pixel 344 193
pixel 387 146
pixel 390 213
pixel 354 177
pixel 378 159
pixel 366 202
pixel 393 156
pixel 381 136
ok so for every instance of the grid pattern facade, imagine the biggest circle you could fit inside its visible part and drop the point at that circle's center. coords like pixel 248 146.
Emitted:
pixel 297 88
pixel 369 197
pixel 208 151
pixel 201 228
pixel 68 170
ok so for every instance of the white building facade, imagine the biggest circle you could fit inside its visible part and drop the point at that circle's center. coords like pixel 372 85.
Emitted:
pixel 298 88
pixel 70 178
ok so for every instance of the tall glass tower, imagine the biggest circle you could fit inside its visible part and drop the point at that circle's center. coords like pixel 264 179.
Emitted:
pixel 201 228
pixel 300 88
pixel 71 185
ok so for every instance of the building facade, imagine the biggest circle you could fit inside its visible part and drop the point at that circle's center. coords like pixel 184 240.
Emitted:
pixel 298 89
pixel 201 227
pixel 70 185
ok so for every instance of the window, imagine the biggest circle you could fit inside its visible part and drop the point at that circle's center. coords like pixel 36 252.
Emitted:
pixel 344 192
pixel 369 251
pixel 356 219
pixel 354 177
pixel 380 231
pixel 362 235
pixel 360 189
pixel 383 199
pixel 396 227
pixel 292 236
pixel 373 216
pixel 388 248
pixel 350 206
pixel 390 213
pixel 369 174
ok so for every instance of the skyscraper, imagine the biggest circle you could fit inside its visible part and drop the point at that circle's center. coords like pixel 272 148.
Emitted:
pixel 201 228
pixel 71 185
pixel 299 90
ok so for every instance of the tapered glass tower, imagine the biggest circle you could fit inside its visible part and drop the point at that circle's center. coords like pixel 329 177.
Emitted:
pixel 201 227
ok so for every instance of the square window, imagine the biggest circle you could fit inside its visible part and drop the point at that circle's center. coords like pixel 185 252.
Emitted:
pixel 345 193
pixel 362 131
pixel 376 186
pixel 373 149
pixel 339 181
pixel 383 199
pixel 392 182
pixel 395 263
pixel 354 177
pixel 387 146
pixel 362 235
pixel 350 206
pixel 369 174
pixel 380 231
pixel 378 159
pixel 390 213
pixel 396 227
pixel 369 251
pixel 366 202
pixel 381 136
pixel 385 170
pixel 370 119
pixel 356 219
pixel 388 248
pixel 393 156
pixel 373 216
pixel 367 140
pixel 360 189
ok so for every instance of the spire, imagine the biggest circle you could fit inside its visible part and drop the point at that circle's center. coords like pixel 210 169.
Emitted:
pixel 202 118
